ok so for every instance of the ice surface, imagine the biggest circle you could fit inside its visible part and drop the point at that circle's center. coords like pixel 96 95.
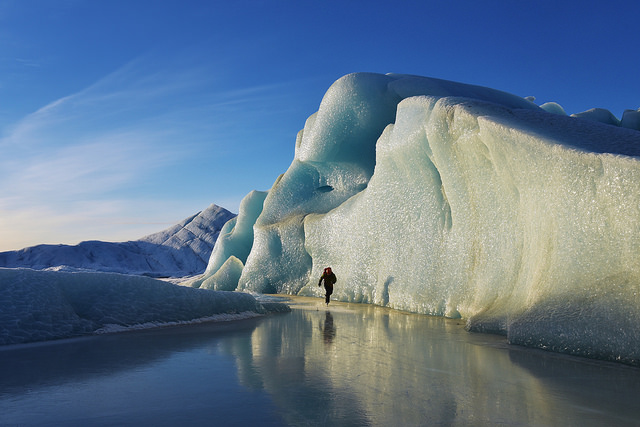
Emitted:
pixel 542 248
pixel 553 107
pixel 599 115
pixel 631 119
pixel 45 305
pixel 178 251
pixel 449 199
pixel 236 240
pixel 349 365
pixel 334 160
pixel 226 278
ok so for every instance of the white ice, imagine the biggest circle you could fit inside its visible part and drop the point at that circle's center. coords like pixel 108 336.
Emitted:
pixel 46 305
pixel 449 199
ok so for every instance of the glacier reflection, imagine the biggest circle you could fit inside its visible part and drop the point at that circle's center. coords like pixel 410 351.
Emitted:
pixel 365 365
pixel 348 364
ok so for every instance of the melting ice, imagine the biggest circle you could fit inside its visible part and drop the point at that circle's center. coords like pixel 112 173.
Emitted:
pixel 455 200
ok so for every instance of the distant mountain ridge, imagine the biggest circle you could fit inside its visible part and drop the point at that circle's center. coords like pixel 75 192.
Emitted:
pixel 180 250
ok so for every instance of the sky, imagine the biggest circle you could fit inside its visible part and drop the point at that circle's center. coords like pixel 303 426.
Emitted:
pixel 119 118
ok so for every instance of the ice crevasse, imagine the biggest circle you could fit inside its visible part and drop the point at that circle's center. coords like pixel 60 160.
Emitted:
pixel 449 199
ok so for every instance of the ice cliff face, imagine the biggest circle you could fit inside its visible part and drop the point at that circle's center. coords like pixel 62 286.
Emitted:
pixel 448 199
pixel 180 250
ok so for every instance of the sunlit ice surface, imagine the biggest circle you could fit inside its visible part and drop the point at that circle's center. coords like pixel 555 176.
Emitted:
pixel 345 364
pixel 443 198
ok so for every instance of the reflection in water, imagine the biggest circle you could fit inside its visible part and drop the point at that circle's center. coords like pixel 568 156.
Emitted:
pixel 161 377
pixel 388 368
pixel 329 330
pixel 352 365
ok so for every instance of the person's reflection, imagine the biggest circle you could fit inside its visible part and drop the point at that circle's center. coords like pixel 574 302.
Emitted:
pixel 328 331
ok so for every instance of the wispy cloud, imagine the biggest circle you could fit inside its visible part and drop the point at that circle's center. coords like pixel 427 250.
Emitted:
pixel 76 221
pixel 88 147
pixel 93 166
pixel 123 146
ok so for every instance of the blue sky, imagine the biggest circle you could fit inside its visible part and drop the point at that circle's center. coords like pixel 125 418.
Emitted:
pixel 119 118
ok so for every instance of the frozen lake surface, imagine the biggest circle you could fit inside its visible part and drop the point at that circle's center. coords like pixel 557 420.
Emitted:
pixel 350 364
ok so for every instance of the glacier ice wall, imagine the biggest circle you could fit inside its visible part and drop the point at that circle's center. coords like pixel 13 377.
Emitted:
pixel 448 199
pixel 334 160
pixel 236 240
pixel 474 211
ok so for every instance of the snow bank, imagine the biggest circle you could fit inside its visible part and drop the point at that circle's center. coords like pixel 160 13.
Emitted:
pixel 44 305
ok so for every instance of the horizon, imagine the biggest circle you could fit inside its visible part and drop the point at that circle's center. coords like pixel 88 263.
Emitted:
pixel 121 119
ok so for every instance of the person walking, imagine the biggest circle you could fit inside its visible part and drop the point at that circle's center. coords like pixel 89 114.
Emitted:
pixel 329 280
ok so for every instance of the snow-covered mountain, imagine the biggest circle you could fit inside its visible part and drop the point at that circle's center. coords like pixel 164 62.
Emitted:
pixel 180 250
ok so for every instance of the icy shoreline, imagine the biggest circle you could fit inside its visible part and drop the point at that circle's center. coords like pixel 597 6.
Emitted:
pixel 47 305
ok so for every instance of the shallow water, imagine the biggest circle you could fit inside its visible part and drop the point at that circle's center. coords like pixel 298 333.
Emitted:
pixel 350 364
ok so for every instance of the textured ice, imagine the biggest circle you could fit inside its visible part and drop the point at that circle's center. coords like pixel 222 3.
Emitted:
pixel 631 119
pixel 236 241
pixel 454 200
pixel 334 159
pixel 553 107
pixel 599 115
pixel 178 251
pixel 45 305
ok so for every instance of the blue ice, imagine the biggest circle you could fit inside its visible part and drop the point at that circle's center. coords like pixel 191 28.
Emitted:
pixel 455 200
pixel 46 305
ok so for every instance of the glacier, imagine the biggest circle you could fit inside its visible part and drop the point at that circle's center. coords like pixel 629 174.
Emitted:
pixel 455 200
pixel 227 259
pixel 181 250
